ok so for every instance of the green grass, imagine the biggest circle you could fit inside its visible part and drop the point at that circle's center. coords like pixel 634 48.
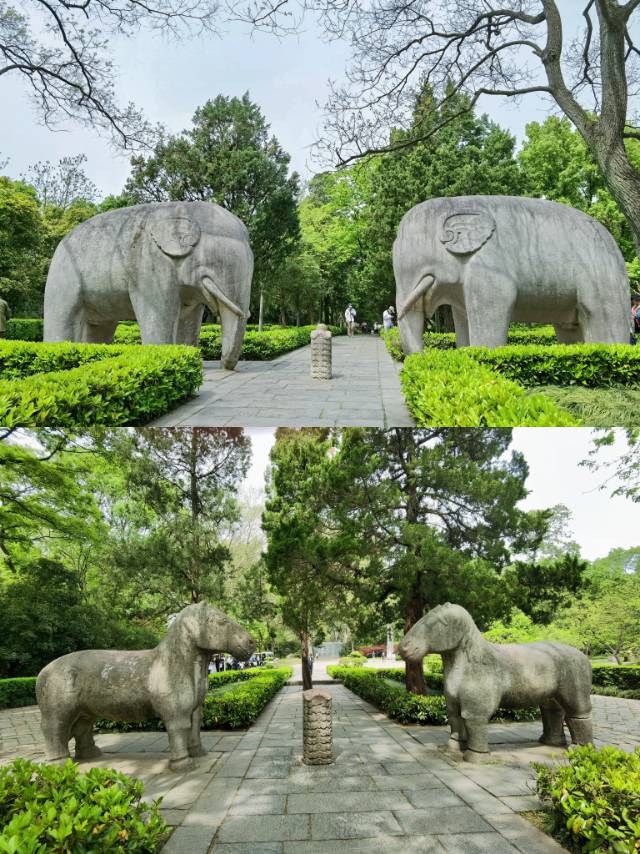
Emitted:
pixel 618 406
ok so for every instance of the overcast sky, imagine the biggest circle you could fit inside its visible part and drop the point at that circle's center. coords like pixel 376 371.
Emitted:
pixel 600 523
pixel 287 78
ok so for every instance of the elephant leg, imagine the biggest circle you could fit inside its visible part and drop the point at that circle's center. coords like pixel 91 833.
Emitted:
pixel 457 735
pixel 195 743
pixel 158 318
pixel 189 324
pixel 581 729
pixel 461 325
pixel 552 724
pixel 477 747
pixel 489 308
pixel 179 733
pixel 82 732
pixel 56 734
pixel 568 333
pixel 411 328
pixel 100 333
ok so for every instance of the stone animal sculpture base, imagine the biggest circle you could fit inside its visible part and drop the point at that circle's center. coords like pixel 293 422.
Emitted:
pixel 502 259
pixel 321 353
pixel 167 682
pixel 480 677
pixel 316 727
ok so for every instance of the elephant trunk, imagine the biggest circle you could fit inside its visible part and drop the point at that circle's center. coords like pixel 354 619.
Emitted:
pixel 232 319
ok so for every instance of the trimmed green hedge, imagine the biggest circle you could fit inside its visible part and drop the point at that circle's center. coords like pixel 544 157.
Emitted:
pixel 79 385
pixel 378 688
pixel 56 808
pixel 235 699
pixel 594 800
pixel 19 691
pixel 452 389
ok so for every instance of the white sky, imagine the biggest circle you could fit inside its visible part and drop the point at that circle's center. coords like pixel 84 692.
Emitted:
pixel 600 523
pixel 288 78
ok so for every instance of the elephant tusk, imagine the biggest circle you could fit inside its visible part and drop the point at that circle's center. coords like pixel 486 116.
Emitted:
pixel 217 294
pixel 419 291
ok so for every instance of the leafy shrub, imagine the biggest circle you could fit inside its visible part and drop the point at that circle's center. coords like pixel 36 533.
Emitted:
pixel 235 699
pixel 25 328
pixel 451 388
pixel 56 808
pixel 122 385
pixel 376 686
pixel 594 801
pixel 625 676
pixel 20 691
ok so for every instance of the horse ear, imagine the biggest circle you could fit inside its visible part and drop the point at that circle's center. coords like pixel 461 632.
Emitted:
pixel 175 235
pixel 465 233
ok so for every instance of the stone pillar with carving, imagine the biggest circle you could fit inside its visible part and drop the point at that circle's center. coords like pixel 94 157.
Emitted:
pixel 316 727
pixel 321 353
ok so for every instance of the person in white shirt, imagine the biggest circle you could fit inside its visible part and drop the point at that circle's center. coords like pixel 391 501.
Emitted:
pixel 350 317
pixel 388 317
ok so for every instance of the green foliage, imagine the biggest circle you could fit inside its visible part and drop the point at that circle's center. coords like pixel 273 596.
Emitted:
pixel 20 691
pixel 453 389
pixel 594 799
pixel 56 808
pixel 123 385
pixel 378 687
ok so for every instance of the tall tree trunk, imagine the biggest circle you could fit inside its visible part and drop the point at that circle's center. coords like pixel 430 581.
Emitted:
pixel 307 681
pixel 414 672
pixel 261 311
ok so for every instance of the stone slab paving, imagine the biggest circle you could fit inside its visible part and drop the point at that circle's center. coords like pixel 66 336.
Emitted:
pixel 364 392
pixel 392 788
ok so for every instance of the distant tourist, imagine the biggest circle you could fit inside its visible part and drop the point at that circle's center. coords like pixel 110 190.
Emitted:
pixel 350 317
pixel 388 317
pixel 5 315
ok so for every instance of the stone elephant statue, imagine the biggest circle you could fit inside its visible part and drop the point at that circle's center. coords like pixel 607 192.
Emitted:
pixel 159 264
pixel 498 259
pixel 168 682
pixel 480 677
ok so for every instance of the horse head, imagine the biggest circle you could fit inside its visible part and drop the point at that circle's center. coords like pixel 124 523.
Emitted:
pixel 442 629
pixel 212 631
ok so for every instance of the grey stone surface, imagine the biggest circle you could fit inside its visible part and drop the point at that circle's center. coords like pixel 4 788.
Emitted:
pixel 479 677
pixel 167 682
pixel 5 315
pixel 364 391
pixel 502 259
pixel 317 743
pixel 159 264
pixel 321 353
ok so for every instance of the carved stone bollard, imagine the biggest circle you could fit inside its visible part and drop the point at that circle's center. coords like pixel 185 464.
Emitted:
pixel 321 353
pixel 316 727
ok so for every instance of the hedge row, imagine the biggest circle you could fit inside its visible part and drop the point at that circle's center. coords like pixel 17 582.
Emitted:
pixel 593 799
pixel 235 700
pixel 453 389
pixel 56 808
pixel 376 687
pixel 88 384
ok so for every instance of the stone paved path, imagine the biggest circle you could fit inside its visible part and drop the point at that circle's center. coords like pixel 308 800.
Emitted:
pixel 391 789
pixel 364 392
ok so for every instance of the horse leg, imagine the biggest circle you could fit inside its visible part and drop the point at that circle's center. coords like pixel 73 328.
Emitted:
pixel 457 736
pixel 195 744
pixel 477 747
pixel 179 732
pixel 86 748
pixel 552 724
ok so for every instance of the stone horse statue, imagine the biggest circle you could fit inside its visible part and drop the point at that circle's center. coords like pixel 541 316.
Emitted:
pixel 168 682
pixel 480 676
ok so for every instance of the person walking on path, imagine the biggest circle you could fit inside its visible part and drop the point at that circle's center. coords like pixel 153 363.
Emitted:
pixel 5 315
pixel 388 318
pixel 350 317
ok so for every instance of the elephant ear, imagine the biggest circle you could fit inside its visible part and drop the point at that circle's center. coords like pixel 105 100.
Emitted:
pixel 175 235
pixel 464 233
